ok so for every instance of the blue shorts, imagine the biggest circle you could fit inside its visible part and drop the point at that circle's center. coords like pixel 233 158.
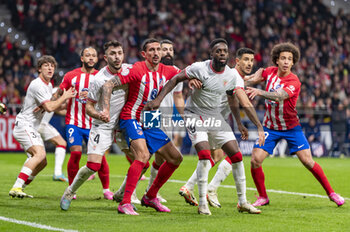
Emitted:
pixel 295 138
pixel 155 137
pixel 75 135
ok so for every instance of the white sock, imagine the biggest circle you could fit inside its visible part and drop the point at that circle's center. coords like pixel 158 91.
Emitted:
pixel 60 154
pixel 152 176
pixel 239 176
pixel 223 171
pixel 83 174
pixel 192 181
pixel 106 190
pixel 20 182
pixel 203 168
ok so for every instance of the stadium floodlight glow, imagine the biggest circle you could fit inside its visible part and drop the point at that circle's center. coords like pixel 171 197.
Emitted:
pixel 31 48
pixel 16 36
pixel 2 24
pixel 60 73
pixel 24 42
pixel 332 3
pixel 9 30
pixel 38 54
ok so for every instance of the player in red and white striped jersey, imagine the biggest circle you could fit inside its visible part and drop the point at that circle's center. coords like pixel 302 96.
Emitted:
pixel 281 120
pixel 78 122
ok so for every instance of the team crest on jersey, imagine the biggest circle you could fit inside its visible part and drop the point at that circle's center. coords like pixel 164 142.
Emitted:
pixel 154 94
pixel 125 72
pixel 71 139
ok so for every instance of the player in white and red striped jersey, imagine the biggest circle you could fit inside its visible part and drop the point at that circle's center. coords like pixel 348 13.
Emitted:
pixel 281 120
pixel 78 122
pixel 145 80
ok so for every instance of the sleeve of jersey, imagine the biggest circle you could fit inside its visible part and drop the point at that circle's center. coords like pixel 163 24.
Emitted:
pixel 265 73
pixel 65 83
pixel 193 71
pixel 239 84
pixel 172 72
pixel 178 87
pixel 292 88
pixel 127 76
pixel 93 90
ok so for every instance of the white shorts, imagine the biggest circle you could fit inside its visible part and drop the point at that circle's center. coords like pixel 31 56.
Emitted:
pixel 47 131
pixel 100 140
pixel 27 136
pixel 214 130
pixel 120 140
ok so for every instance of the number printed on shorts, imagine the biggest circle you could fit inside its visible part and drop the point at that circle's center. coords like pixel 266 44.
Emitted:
pixel 97 138
pixel 70 132
pixel 33 135
pixel 266 134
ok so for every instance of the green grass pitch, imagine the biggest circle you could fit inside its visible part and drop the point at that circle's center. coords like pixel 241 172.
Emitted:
pixel 90 212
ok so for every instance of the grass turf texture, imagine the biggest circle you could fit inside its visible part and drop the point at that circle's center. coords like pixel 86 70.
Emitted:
pixel 90 212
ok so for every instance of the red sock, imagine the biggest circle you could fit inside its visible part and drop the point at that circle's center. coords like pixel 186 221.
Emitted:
pixel 236 158
pixel 155 165
pixel 134 174
pixel 28 181
pixel 228 160
pixel 164 173
pixel 103 173
pixel 321 177
pixel 206 155
pixel 73 165
pixel 129 159
pixel 23 176
pixel 259 180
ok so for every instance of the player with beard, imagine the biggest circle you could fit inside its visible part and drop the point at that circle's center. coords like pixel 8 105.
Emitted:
pixel 78 122
pixel 217 78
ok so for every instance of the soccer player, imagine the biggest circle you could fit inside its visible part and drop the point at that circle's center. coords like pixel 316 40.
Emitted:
pixel 27 123
pixel 78 123
pixel 167 106
pixel 145 80
pixel 281 120
pixel 102 134
pixel 202 108
pixel 244 65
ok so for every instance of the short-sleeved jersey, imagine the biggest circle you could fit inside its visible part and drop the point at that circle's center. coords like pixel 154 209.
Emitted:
pixel 144 86
pixel 214 84
pixel 117 101
pixel 281 115
pixel 76 113
pixel 47 116
pixel 38 93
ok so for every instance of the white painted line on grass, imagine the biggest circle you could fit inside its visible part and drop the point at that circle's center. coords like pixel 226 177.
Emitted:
pixel 35 225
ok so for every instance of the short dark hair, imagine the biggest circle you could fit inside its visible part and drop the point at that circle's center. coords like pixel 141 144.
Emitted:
pixel 240 52
pixel 46 59
pixel 83 50
pixel 148 41
pixel 216 41
pixel 285 47
pixel 112 43
pixel 166 41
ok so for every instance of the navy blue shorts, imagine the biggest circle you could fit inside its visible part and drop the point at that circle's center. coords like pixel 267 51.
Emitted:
pixel 75 135
pixel 295 138
pixel 155 137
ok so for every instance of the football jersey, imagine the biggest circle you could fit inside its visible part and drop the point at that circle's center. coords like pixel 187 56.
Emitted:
pixel 38 93
pixel 76 113
pixel 206 101
pixel 48 115
pixel 281 115
pixel 144 86
pixel 117 100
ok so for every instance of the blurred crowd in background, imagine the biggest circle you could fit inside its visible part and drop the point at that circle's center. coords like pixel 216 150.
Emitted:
pixel 62 28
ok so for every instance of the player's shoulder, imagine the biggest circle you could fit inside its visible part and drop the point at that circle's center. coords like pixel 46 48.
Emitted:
pixel 73 73
pixel 200 64
pixel 169 67
pixel 271 69
pixel 294 78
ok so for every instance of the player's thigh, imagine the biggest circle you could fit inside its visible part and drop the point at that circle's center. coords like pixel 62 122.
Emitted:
pixel 100 140
pixel 27 136
pixel 95 158
pixel 155 139
pixel 170 153
pixel 217 154
pixel 306 158
pixel 158 159
pixel 48 132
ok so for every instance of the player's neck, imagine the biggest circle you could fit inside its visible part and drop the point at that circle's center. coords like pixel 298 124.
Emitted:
pixel 152 67
pixel 113 70
pixel 216 67
pixel 240 71
pixel 45 80
pixel 87 70
pixel 283 74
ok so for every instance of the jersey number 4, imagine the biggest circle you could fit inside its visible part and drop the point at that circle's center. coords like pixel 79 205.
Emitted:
pixel 97 138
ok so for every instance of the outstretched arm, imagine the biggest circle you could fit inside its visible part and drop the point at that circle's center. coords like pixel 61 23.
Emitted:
pixel 277 96
pixel 254 79
pixel 251 113
pixel 107 89
pixel 166 89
